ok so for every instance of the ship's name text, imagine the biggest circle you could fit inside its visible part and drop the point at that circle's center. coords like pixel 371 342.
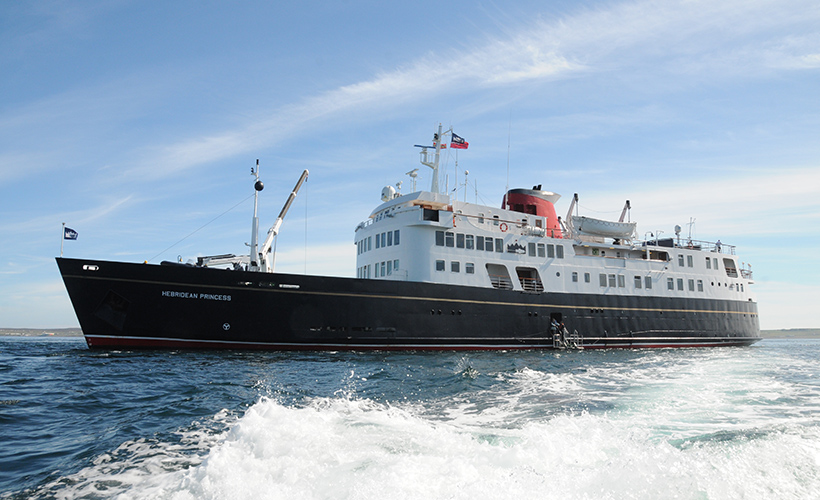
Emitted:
pixel 199 296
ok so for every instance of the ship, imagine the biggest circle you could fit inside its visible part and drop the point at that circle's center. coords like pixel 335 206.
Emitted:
pixel 434 273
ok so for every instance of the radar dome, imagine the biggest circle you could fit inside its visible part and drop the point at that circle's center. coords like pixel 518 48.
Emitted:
pixel 388 193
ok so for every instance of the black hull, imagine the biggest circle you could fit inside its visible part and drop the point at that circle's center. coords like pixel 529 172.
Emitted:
pixel 169 306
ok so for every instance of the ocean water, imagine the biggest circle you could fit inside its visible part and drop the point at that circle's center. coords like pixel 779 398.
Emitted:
pixel 718 423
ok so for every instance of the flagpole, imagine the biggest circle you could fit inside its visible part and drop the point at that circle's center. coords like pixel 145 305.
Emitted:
pixel 62 239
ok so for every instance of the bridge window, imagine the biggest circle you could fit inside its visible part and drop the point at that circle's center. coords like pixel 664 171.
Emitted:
pixel 637 281
pixel 469 242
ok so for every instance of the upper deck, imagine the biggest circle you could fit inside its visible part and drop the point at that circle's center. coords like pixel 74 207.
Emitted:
pixel 428 237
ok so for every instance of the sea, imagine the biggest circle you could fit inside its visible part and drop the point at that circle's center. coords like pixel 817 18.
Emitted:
pixel 716 423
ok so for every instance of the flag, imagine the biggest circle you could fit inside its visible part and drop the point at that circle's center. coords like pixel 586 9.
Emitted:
pixel 70 234
pixel 457 142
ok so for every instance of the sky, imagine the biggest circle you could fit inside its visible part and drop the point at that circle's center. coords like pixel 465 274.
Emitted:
pixel 137 124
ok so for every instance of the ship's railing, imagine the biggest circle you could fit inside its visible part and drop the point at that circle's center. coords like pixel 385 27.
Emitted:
pixel 517 226
pixel 500 281
pixel 710 246
pixel 531 284
pixel 363 224
pixel 705 246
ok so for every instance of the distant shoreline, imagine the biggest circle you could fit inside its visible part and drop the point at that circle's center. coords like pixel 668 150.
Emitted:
pixel 41 332
pixel 794 333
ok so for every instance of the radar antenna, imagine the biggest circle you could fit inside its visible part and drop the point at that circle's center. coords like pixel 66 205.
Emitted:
pixel 413 175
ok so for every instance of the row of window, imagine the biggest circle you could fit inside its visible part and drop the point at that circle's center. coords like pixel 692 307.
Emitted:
pixel 489 244
pixel 379 269
pixel 618 280
pixel 712 263
pixel 455 266
pixel 670 284
pixel 386 239
pixel 690 261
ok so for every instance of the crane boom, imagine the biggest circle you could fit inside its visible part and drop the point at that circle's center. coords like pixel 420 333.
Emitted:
pixel 274 229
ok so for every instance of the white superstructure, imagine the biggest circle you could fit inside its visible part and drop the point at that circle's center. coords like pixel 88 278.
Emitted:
pixel 430 237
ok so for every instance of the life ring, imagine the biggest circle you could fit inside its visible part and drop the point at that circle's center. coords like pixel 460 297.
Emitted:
pixel 503 227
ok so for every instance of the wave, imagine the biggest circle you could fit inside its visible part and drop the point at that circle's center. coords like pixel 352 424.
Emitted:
pixel 357 448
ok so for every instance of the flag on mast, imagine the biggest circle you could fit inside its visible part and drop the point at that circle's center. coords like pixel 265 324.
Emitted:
pixel 70 234
pixel 457 142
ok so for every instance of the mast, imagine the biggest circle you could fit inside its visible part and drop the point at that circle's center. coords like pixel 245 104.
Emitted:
pixel 437 138
pixel 254 254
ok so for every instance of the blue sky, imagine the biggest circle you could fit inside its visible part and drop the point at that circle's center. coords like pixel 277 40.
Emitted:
pixel 137 122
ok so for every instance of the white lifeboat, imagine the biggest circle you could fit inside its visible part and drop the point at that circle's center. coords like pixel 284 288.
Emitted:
pixel 598 227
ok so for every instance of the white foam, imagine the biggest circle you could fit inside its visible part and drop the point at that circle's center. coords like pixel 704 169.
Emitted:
pixel 358 449
pixel 707 424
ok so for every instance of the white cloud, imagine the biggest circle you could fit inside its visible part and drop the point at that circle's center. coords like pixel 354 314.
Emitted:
pixel 725 202
pixel 690 33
